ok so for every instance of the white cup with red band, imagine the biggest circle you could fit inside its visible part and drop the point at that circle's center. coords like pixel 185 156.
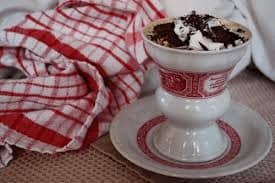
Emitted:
pixel 193 96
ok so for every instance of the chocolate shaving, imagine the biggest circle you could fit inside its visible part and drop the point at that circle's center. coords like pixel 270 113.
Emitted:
pixel 164 33
pixel 203 47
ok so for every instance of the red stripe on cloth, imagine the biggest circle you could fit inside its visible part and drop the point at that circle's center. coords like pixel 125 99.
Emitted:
pixel 13 94
pixel 128 86
pixel 67 116
pixel 37 22
pixel 114 86
pixel 122 62
pixel 91 83
pixel 109 13
pixel 84 111
pixel 16 110
pixel 140 6
pixel 20 61
pixel 21 124
pixel 65 75
pixel 84 33
pixel 44 86
pixel 1 51
pixel 136 79
pixel 97 18
pixel 48 38
pixel 49 104
pixel 109 108
pixel 34 68
pixel 115 99
pixel 134 35
pixel 89 24
pixel 92 134
pixel 159 13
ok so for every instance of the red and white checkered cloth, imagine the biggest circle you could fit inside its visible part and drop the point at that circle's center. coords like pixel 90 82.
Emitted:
pixel 82 63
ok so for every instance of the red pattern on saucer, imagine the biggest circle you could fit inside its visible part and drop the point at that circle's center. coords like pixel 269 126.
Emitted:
pixel 226 158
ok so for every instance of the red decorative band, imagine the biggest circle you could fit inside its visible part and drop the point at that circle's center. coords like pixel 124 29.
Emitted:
pixel 147 148
pixel 194 85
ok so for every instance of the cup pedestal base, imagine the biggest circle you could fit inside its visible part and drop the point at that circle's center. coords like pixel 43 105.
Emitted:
pixel 190 145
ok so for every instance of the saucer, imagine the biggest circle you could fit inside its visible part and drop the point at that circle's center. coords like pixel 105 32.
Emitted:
pixel 248 135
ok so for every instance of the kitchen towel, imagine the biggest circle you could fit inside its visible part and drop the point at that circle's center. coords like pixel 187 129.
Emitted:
pixel 81 62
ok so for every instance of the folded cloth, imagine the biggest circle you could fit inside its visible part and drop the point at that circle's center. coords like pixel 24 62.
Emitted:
pixel 258 15
pixel 82 62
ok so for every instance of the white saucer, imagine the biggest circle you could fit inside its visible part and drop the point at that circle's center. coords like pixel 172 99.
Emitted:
pixel 249 136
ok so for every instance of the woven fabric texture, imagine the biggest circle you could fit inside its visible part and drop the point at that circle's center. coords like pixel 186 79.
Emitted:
pixel 87 166
pixel 82 61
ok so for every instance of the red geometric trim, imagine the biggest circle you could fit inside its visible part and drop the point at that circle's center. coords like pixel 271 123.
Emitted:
pixel 230 155
pixel 194 85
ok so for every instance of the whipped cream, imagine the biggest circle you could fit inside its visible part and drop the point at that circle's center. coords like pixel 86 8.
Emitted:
pixel 181 30
pixel 214 23
pixel 197 40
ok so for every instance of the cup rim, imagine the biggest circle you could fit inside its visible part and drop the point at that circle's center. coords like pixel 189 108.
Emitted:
pixel 198 52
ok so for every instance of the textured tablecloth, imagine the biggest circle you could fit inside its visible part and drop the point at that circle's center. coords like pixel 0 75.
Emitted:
pixel 101 163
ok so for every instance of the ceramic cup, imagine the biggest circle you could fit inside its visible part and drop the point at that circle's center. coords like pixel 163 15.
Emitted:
pixel 193 96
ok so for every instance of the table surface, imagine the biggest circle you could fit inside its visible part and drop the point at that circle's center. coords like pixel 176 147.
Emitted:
pixel 102 163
